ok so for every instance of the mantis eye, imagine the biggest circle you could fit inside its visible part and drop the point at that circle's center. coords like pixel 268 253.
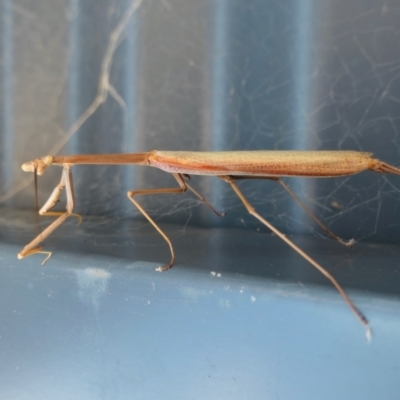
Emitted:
pixel 28 166
pixel 39 165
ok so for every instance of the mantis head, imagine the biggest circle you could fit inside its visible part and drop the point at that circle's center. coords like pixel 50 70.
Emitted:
pixel 39 165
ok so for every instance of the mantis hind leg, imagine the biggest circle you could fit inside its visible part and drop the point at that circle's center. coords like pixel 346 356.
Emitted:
pixel 347 243
pixel 252 211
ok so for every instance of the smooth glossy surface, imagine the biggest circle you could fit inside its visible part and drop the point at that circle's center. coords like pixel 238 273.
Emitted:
pixel 239 317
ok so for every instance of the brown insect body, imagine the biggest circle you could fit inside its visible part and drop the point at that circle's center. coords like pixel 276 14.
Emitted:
pixel 229 166
pixel 264 163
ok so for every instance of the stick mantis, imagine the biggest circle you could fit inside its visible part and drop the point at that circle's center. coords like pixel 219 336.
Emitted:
pixel 230 166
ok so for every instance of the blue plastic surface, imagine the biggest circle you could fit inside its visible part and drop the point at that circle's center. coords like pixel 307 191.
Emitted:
pixel 91 326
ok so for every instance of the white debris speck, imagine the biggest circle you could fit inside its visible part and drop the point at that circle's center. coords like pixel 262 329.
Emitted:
pixel 368 334
pixel 92 283
pixel 224 304
pixel 253 299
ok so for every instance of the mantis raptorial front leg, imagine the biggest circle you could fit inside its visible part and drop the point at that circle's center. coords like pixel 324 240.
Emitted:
pixel 231 180
pixel 55 198
pixel 183 186
pixel 35 246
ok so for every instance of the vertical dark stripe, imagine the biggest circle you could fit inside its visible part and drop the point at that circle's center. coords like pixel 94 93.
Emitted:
pixel 7 96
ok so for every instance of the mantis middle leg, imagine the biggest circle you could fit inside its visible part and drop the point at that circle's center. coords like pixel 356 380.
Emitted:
pixel 183 186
